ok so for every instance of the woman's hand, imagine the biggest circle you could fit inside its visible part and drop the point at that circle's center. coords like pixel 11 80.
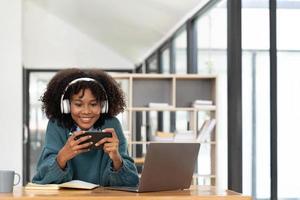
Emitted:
pixel 111 147
pixel 72 148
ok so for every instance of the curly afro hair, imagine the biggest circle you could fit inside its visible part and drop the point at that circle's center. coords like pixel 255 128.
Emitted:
pixel 51 99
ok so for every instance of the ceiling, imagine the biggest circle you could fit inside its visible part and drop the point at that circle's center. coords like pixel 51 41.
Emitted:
pixel 130 27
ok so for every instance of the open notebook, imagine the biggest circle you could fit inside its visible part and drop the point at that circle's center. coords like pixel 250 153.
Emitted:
pixel 75 184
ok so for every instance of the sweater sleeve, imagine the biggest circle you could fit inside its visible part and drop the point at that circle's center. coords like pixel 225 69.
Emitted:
pixel 48 170
pixel 127 175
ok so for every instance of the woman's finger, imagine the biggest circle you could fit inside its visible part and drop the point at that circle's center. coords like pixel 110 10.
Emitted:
pixel 83 146
pixel 103 141
pixel 111 145
pixel 112 131
pixel 76 133
pixel 109 148
pixel 82 151
pixel 82 139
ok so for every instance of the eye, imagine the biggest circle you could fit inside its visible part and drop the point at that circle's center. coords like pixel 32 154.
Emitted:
pixel 94 104
pixel 77 103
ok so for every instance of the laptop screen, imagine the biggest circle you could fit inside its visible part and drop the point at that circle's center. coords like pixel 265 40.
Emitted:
pixel 169 166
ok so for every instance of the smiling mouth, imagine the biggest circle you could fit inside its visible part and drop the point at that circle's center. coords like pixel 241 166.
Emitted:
pixel 86 119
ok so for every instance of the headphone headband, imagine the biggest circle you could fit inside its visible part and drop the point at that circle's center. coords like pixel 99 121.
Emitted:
pixel 65 104
pixel 81 79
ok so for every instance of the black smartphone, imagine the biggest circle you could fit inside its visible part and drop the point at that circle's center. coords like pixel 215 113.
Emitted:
pixel 96 137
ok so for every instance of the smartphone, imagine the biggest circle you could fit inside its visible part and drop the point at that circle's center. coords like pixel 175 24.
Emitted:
pixel 96 137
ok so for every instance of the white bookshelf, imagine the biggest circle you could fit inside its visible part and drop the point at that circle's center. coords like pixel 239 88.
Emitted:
pixel 179 92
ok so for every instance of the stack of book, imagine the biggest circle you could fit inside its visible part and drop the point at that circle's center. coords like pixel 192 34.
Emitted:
pixel 161 136
pixel 199 103
pixel 158 105
pixel 184 136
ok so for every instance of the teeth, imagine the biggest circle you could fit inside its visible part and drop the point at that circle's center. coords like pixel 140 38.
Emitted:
pixel 85 119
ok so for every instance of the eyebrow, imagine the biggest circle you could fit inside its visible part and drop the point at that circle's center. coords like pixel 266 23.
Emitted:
pixel 80 100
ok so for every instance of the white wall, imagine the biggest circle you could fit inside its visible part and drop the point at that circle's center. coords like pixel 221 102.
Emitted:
pixel 32 37
pixel 50 42
pixel 10 85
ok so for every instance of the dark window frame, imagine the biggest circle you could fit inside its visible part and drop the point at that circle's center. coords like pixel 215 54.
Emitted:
pixel 273 98
pixel 234 93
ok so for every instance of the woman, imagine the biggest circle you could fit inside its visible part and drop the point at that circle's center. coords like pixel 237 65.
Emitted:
pixel 76 101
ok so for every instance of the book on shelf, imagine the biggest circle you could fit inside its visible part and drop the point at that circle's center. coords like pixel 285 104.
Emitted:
pixel 206 129
pixel 75 184
pixel 184 136
pixel 161 136
pixel 178 136
pixel 200 102
pixel 158 105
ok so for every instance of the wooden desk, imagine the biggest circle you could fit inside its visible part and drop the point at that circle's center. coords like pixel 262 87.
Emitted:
pixel 195 193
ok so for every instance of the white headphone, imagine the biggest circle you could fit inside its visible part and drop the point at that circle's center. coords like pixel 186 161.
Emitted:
pixel 65 103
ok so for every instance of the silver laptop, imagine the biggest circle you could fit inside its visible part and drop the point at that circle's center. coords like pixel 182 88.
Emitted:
pixel 167 166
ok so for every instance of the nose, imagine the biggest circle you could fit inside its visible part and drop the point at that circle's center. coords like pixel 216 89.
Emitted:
pixel 86 109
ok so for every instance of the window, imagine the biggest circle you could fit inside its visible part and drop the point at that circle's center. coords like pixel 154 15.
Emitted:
pixel 288 98
pixel 212 59
pixel 37 120
pixel 180 48
pixel 212 40
pixel 152 64
pixel 256 98
pixel 165 61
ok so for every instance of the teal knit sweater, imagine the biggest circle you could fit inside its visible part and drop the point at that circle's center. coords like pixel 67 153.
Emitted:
pixel 94 166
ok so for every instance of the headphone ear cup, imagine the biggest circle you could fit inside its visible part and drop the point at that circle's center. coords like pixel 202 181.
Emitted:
pixel 66 106
pixel 105 107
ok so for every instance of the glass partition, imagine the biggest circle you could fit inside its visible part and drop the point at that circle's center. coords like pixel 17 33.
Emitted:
pixel 212 59
pixel 37 120
pixel 288 98
pixel 256 98
pixel 180 48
